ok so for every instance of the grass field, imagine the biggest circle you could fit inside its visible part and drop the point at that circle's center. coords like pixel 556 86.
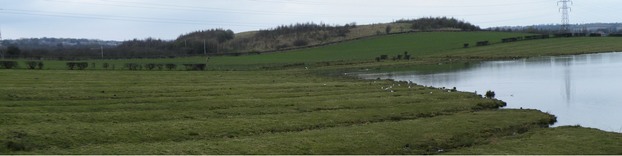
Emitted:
pixel 431 47
pixel 366 50
pixel 287 110
pixel 575 140
pixel 123 112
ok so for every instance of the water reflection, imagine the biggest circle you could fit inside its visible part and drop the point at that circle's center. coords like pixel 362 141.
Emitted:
pixel 579 90
pixel 567 81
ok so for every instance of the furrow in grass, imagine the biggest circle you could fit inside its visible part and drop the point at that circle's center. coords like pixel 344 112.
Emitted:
pixel 64 135
pixel 119 115
pixel 211 102
pixel 418 136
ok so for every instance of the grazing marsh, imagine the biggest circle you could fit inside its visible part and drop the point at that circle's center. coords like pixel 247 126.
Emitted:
pixel 303 103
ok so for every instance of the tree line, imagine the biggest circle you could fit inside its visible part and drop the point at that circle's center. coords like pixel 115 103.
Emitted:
pixel 191 44
pixel 221 41
pixel 302 28
pixel 432 23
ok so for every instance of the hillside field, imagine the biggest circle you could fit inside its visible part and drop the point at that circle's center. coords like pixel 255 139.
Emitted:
pixel 429 47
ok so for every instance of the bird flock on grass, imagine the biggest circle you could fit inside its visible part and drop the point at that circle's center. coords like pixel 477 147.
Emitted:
pixel 410 85
pixel 391 87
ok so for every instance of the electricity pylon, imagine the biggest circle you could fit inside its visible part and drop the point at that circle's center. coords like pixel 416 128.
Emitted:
pixel 565 9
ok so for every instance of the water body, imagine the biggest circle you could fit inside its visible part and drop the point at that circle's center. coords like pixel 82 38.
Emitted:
pixel 581 90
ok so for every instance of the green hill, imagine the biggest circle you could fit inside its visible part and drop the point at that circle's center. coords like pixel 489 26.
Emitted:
pixel 416 44
pixel 422 47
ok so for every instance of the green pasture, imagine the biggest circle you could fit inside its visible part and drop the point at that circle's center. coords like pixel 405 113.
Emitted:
pixel 543 47
pixel 363 50
pixel 569 140
pixel 121 112
pixel 429 47
pixel 277 106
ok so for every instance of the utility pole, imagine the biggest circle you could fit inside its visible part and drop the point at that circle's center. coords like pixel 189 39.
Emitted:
pixel 204 48
pixel 1 54
pixel 102 50
pixel 205 51
pixel 565 9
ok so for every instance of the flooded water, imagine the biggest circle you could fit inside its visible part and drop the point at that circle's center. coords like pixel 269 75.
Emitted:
pixel 581 90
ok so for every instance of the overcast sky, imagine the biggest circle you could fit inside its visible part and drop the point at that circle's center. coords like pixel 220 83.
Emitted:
pixel 167 19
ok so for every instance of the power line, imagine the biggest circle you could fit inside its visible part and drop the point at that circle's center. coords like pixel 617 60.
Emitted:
pixel 168 6
pixel 589 8
pixel 324 3
pixel 200 9
pixel 124 18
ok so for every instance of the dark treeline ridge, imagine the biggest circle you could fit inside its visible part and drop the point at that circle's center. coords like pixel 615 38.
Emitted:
pixel 300 28
pixel 226 42
pixel 432 23
pixel 51 43
pixel 191 44
pixel 605 29
pixel 304 28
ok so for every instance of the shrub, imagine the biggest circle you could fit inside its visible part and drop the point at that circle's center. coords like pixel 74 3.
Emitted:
pixel 282 46
pixel 195 66
pixel 71 65
pixel 79 65
pixel 8 64
pixel 483 43
pixel 40 65
pixel 407 57
pixel 384 57
pixel 150 66
pixel 105 65
pixel 32 64
pixel 132 66
pixel 490 94
pixel 171 66
pixel 82 65
pixel 160 66
pixel 300 42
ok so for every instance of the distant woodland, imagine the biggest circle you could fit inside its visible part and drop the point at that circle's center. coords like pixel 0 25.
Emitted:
pixel 222 41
